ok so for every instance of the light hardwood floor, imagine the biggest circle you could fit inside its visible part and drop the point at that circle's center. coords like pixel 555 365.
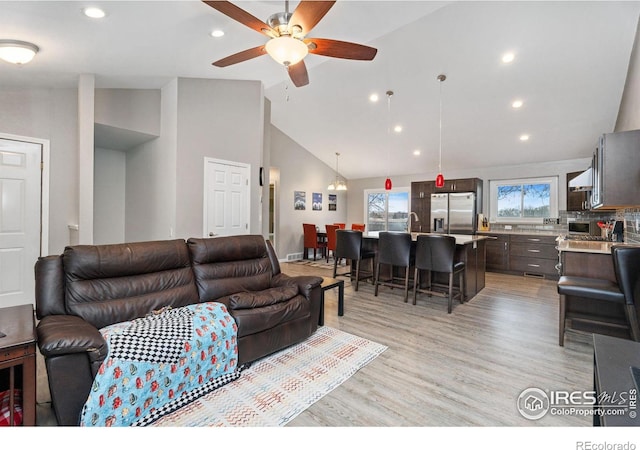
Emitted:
pixel 461 369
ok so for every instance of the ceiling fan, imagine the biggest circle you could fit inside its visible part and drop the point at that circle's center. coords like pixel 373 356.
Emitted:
pixel 288 43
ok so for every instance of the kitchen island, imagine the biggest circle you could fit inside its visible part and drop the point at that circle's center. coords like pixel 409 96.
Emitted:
pixel 471 249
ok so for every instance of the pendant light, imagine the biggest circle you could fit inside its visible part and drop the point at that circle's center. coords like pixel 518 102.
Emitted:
pixel 387 183
pixel 440 177
pixel 337 185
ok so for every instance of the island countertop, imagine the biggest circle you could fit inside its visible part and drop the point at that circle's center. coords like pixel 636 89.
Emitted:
pixel 568 245
pixel 461 239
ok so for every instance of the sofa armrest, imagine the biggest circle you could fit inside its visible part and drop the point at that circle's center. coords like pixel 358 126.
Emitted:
pixel 65 334
pixel 306 283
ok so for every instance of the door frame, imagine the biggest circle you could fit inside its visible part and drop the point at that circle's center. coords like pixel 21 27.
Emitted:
pixel 44 185
pixel 205 199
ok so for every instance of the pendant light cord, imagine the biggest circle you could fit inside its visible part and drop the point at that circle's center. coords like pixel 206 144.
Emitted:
pixel 389 94
pixel 440 126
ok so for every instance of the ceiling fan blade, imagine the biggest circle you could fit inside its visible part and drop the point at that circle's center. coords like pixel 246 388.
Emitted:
pixel 242 16
pixel 340 49
pixel 298 74
pixel 241 56
pixel 308 13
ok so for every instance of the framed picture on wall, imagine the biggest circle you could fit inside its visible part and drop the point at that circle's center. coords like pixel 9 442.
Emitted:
pixel 317 201
pixel 333 202
pixel 299 200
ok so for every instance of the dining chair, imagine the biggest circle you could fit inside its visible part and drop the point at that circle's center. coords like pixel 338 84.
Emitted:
pixel 312 240
pixel 394 250
pixel 349 246
pixel 331 240
pixel 358 226
pixel 436 253
pixel 594 293
pixel 342 226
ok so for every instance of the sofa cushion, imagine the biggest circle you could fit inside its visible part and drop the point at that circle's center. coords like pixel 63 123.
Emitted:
pixel 225 265
pixel 106 284
pixel 246 300
pixel 255 320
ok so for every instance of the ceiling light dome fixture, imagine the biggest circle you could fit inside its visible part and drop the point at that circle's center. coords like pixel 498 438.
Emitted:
pixel 337 185
pixel 287 50
pixel 440 177
pixel 17 52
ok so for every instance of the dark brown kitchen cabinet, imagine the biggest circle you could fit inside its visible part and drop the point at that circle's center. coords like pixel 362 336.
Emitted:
pixel 497 252
pixel 576 201
pixel 533 255
pixel 421 204
pixel 460 185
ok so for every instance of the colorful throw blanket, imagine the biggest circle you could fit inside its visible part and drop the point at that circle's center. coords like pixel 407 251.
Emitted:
pixel 161 362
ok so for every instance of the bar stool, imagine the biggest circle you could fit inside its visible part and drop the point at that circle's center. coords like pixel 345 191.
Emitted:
pixel 394 249
pixel 594 293
pixel 349 246
pixel 436 253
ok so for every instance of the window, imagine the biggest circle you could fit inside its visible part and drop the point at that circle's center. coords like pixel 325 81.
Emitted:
pixel 523 200
pixel 386 210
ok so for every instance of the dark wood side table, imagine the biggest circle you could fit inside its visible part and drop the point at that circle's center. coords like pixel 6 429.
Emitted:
pixel 18 348
pixel 330 283
pixel 612 359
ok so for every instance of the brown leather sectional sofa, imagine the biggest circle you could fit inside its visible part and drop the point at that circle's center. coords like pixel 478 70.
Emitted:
pixel 91 286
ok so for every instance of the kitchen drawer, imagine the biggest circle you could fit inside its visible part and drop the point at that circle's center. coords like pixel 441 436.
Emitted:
pixel 536 266
pixel 533 239
pixel 533 250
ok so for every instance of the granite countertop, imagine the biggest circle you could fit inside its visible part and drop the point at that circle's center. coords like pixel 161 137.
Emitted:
pixel 536 232
pixel 567 245
pixel 461 239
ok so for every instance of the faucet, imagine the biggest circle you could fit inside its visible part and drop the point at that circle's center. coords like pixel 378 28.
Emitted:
pixel 412 214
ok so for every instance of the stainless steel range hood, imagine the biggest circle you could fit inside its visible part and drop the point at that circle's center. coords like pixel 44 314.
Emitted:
pixel 582 182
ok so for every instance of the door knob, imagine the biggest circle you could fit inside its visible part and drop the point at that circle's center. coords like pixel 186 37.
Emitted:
pixel 212 234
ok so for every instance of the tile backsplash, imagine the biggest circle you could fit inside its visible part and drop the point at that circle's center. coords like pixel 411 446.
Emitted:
pixel 631 219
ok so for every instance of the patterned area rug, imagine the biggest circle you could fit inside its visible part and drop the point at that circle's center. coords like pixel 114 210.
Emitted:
pixel 321 263
pixel 275 389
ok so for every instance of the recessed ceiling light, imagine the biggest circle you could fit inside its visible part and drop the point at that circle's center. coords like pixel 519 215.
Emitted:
pixel 517 104
pixel 398 128
pixel 94 13
pixel 508 57
pixel 416 152
pixel 217 33
pixel 524 137
pixel 374 98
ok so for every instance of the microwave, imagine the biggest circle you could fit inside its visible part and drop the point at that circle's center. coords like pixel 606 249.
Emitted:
pixel 589 227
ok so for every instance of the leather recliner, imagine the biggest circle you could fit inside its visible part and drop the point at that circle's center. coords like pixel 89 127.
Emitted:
pixel 91 286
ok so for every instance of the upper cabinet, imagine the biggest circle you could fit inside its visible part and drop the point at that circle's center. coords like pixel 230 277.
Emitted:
pixel 616 171
pixel 576 200
pixel 460 185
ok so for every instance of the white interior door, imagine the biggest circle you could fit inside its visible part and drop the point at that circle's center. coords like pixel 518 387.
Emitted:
pixel 226 198
pixel 20 203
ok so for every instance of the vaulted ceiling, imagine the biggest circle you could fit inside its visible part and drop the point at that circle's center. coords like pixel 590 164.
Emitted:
pixel 569 71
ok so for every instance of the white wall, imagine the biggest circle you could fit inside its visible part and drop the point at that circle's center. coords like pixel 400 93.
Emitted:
pixel 50 114
pixel 129 109
pixel 629 114
pixel 559 168
pixel 221 119
pixel 301 171
pixel 109 196
pixel 151 178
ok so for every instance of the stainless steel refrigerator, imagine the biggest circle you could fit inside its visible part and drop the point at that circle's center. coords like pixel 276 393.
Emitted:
pixel 453 213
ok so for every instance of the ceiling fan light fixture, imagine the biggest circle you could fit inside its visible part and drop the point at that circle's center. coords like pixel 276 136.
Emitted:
pixel 287 50
pixel 17 52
